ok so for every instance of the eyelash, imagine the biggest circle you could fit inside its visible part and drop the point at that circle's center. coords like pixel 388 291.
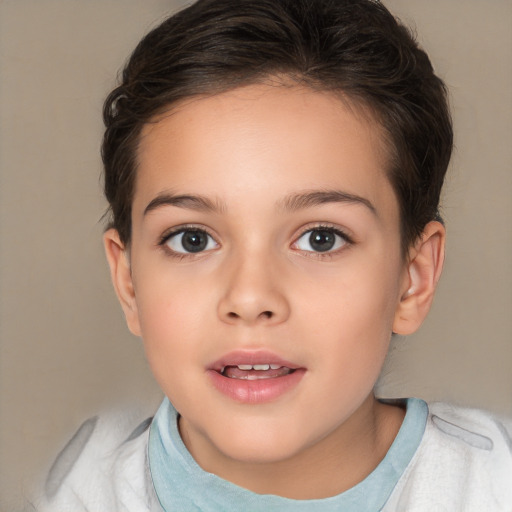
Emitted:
pixel 348 241
pixel 164 239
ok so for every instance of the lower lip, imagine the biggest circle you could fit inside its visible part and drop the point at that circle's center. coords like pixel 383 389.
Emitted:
pixel 256 391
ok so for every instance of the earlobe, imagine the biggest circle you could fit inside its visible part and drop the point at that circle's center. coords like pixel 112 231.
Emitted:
pixel 425 264
pixel 118 260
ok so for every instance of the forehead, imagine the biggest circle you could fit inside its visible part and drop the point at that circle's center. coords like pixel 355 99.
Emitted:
pixel 262 139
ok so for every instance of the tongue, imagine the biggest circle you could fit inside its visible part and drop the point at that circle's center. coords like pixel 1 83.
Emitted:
pixel 233 372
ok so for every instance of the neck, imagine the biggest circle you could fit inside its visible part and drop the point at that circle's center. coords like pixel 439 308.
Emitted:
pixel 339 461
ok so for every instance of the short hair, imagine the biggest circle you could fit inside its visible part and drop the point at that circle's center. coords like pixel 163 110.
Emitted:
pixel 351 47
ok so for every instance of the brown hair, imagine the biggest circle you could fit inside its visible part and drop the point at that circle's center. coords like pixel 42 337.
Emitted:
pixel 353 47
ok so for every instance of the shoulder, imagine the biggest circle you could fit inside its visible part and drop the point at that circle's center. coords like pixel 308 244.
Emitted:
pixel 473 427
pixel 464 462
pixel 102 467
pixel 479 442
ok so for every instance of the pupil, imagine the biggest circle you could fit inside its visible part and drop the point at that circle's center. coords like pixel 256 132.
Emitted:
pixel 194 241
pixel 322 240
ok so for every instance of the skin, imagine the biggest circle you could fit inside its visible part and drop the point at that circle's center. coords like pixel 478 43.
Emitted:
pixel 260 285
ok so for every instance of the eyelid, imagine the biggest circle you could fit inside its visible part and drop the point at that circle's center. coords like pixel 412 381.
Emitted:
pixel 176 230
pixel 328 226
pixel 337 230
pixel 182 228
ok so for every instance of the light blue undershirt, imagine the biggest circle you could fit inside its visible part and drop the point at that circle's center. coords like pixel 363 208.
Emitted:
pixel 181 484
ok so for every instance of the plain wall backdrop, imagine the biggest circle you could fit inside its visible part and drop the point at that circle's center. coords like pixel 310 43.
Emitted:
pixel 65 353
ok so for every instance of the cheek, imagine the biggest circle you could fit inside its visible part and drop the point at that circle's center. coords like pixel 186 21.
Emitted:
pixel 170 329
pixel 172 314
pixel 359 297
pixel 167 299
pixel 351 317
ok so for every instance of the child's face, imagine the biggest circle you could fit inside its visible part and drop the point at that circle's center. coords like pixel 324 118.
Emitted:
pixel 265 231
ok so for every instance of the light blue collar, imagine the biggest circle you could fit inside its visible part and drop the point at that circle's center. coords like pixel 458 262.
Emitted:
pixel 181 484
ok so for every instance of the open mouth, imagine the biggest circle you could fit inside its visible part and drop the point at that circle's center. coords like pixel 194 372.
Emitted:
pixel 254 377
pixel 255 371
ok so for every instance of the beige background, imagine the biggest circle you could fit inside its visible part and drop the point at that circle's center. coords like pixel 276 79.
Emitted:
pixel 65 352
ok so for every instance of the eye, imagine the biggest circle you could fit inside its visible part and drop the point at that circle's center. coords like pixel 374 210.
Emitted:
pixel 321 240
pixel 186 241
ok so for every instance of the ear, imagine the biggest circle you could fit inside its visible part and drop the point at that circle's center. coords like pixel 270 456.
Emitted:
pixel 423 270
pixel 120 271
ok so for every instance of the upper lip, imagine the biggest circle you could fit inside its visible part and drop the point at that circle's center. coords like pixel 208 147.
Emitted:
pixel 252 357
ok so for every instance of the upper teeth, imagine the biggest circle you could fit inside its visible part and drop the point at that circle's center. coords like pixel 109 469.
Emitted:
pixel 258 366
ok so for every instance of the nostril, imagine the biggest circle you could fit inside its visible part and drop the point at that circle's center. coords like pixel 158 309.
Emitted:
pixel 233 316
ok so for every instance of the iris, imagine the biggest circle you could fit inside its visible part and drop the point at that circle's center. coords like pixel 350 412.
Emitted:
pixel 322 240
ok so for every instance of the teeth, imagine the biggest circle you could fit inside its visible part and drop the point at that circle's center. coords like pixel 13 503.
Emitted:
pixel 261 367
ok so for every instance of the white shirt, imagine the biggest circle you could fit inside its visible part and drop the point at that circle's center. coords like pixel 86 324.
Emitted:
pixel 444 458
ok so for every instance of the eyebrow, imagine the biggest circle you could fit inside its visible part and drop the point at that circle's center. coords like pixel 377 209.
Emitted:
pixel 191 202
pixel 292 202
pixel 313 198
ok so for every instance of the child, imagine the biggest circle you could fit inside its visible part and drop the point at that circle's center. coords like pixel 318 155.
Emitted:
pixel 273 170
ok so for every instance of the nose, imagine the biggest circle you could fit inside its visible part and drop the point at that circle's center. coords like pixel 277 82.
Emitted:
pixel 253 293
